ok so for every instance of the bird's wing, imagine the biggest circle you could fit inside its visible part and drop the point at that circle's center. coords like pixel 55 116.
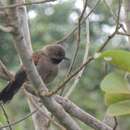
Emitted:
pixel 50 75
pixel 46 69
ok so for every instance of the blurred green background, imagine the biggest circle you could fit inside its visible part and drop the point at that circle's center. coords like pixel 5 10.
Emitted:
pixel 49 23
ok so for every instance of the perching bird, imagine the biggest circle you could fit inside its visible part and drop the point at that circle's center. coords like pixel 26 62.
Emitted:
pixel 46 61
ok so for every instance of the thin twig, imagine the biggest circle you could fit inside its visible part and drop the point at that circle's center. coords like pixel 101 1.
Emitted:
pixel 90 58
pixel 118 15
pixel 116 30
pixel 110 9
pixel 6 29
pixel 78 38
pixel 81 67
pixel 116 123
pixel 114 16
pixel 107 40
pixel 62 85
pixel 118 26
pixel 78 77
pixel 123 28
pixel 6 116
pixel 124 34
pixel 73 30
pixel 4 73
pixel 67 35
pixel 20 120
pixel 25 4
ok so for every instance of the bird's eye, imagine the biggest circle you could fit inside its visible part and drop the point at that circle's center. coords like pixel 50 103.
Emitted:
pixel 56 60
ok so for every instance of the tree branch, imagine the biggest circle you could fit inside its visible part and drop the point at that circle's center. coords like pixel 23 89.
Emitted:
pixel 4 73
pixel 78 38
pixel 78 77
pixel 50 103
pixel 67 35
pixel 6 29
pixel 77 112
pixel 6 116
pixel 20 120
pixel 25 4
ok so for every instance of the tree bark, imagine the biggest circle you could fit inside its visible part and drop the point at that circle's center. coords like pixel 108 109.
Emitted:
pixel 39 120
pixel 21 47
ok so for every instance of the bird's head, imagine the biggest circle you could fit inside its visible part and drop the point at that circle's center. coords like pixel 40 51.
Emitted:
pixel 55 53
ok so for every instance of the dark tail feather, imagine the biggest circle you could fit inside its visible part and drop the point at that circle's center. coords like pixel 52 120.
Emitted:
pixel 13 86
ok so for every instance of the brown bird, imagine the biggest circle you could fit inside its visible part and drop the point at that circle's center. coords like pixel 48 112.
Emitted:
pixel 46 61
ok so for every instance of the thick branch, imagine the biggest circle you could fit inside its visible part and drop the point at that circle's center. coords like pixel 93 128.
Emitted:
pixel 33 75
pixel 38 117
pixel 77 112
pixel 4 73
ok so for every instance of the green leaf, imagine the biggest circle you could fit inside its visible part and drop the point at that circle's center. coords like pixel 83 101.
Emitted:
pixel 119 58
pixel 120 108
pixel 111 98
pixel 115 83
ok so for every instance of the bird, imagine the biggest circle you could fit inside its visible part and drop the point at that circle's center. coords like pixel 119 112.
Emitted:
pixel 46 61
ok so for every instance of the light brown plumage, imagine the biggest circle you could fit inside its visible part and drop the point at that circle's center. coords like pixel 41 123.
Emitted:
pixel 46 61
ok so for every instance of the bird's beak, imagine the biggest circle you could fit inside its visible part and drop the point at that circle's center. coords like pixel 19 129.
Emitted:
pixel 66 58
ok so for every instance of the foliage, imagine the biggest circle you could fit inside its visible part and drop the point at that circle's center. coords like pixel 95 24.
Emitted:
pixel 119 58
pixel 116 85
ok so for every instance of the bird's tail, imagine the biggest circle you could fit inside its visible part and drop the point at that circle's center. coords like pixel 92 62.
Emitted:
pixel 13 86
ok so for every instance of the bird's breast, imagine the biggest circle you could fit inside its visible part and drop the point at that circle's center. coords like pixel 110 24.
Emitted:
pixel 47 70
